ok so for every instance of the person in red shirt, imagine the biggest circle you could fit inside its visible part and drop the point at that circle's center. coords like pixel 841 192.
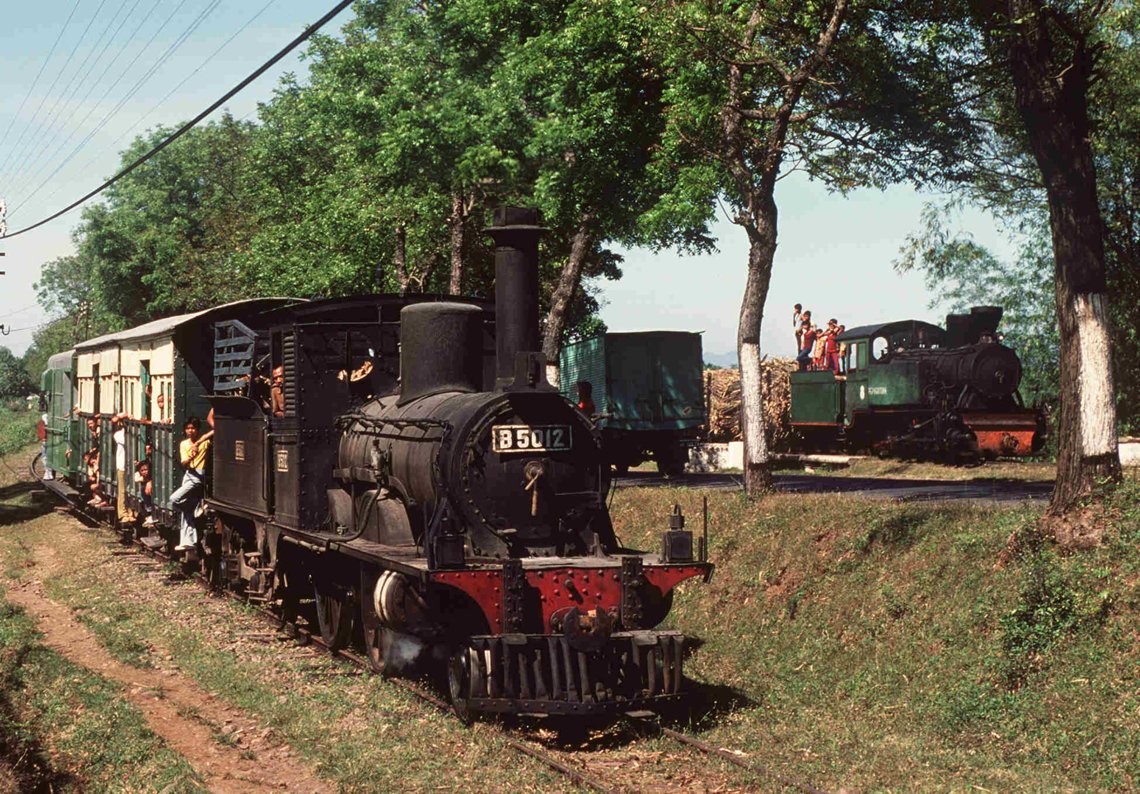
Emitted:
pixel 831 346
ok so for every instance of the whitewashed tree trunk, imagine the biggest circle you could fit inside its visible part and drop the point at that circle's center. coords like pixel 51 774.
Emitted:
pixel 1096 393
pixel 1052 61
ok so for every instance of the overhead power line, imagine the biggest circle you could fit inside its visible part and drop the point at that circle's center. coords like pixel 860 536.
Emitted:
pixel 25 195
pixel 36 116
pixel 301 39
pixel 25 198
pixel 39 74
pixel 60 115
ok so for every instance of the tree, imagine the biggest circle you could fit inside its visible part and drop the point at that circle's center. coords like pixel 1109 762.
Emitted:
pixel 592 95
pixel 14 380
pixel 445 108
pixel 1049 51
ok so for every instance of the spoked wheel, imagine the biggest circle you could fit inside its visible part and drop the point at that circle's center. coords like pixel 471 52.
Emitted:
pixel 370 621
pixel 459 684
pixel 334 613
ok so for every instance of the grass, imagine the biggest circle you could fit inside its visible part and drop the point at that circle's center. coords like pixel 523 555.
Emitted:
pixel 879 646
pixel 62 727
pixel 359 732
pixel 97 740
pixel 855 643
pixel 17 427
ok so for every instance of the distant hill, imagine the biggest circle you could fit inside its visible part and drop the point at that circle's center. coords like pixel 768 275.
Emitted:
pixel 722 359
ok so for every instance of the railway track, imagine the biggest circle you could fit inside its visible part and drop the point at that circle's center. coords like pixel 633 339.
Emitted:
pixel 519 744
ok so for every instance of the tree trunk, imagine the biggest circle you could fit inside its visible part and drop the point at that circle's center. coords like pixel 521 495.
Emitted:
pixel 753 162
pixel 456 223
pixel 1052 99
pixel 399 260
pixel 568 284
pixel 761 254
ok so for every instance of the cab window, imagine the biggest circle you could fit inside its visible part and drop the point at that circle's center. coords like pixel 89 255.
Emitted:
pixel 880 346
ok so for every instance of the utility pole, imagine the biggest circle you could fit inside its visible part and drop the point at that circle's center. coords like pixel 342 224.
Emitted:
pixel 4 329
pixel 3 224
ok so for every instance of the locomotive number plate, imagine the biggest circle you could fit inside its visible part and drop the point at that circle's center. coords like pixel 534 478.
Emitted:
pixel 530 438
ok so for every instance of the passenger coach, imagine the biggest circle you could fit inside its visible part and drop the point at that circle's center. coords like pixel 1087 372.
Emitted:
pixel 158 375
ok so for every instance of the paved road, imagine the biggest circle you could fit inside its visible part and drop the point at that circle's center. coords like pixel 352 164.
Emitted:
pixel 982 490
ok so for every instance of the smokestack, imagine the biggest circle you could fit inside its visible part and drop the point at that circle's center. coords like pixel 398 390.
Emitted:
pixel 515 231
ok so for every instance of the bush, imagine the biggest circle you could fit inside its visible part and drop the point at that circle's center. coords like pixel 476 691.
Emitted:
pixel 17 428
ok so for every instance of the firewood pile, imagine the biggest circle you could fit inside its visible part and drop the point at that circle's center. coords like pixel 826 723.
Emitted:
pixel 723 387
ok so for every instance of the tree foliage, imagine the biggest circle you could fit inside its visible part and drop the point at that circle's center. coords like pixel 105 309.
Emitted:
pixel 14 380
pixel 961 273
pixel 378 173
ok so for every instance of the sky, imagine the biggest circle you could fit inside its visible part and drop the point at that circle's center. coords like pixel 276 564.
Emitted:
pixel 61 134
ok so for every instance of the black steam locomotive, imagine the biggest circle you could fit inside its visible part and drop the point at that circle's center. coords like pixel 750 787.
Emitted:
pixel 914 389
pixel 412 478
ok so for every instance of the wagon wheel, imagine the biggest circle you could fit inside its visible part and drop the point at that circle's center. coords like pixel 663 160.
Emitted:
pixel 334 613
pixel 459 684
pixel 370 621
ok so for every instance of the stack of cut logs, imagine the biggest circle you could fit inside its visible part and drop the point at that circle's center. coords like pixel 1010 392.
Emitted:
pixel 723 387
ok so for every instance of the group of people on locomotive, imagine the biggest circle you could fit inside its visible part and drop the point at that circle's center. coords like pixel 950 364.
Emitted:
pixel 819 349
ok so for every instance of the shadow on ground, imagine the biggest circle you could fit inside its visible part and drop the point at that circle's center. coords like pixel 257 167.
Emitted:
pixel 705 705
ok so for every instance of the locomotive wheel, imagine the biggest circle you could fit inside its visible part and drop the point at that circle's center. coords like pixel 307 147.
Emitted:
pixel 334 614
pixel 370 622
pixel 459 684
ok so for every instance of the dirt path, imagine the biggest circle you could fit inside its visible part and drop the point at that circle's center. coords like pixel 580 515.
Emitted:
pixel 227 748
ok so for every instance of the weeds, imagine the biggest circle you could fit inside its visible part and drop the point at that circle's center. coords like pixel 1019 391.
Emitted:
pixel 17 428
pixel 1046 611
